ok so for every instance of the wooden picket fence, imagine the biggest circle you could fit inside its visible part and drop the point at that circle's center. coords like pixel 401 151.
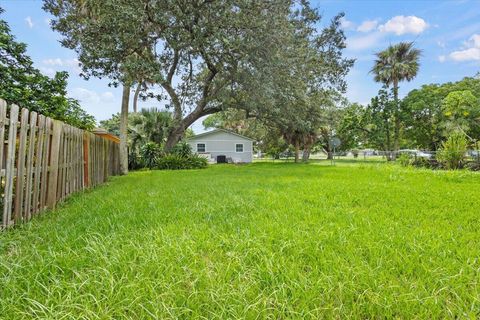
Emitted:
pixel 43 161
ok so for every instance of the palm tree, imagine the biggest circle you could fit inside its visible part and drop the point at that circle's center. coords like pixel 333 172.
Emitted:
pixel 397 63
pixel 151 125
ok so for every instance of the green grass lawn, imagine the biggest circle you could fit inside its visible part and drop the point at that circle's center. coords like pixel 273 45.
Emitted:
pixel 254 241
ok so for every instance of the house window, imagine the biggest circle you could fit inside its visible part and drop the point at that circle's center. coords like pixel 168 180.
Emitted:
pixel 239 147
pixel 200 147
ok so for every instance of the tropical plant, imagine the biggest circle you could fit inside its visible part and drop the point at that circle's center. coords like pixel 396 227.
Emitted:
pixel 150 153
pixel 177 162
pixel 182 149
pixel 152 124
pixel 397 63
pixel 452 152
pixel 405 159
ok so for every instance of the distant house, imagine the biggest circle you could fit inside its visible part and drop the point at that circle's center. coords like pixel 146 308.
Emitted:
pixel 222 146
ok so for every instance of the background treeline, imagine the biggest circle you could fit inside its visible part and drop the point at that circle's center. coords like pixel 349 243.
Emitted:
pixel 427 117
pixel 22 84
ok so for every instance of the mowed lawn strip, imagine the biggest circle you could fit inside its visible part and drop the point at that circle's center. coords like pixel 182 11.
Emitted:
pixel 255 241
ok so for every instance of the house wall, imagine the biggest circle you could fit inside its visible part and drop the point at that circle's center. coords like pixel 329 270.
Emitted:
pixel 223 143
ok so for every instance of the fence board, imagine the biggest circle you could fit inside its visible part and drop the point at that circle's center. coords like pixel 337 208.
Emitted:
pixel 38 164
pixel 9 170
pixel 43 161
pixel 20 177
pixel 29 165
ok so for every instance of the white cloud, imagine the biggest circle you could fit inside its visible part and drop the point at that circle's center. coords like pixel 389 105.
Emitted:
pixel 59 63
pixel 367 25
pixel 404 24
pixel 475 40
pixel 346 24
pixel 91 97
pixel 470 52
pixel 29 22
pixel 466 55
pixel 47 71
pixel 442 58
pixel 364 42
pixel 107 96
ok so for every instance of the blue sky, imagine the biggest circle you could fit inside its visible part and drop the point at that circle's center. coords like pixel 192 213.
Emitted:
pixel 448 32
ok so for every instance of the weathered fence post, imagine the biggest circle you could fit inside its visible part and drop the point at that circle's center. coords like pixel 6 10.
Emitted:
pixel 53 167
pixel 12 138
pixel 21 167
pixel 44 160
pixel 30 166
pixel 86 148
pixel 3 115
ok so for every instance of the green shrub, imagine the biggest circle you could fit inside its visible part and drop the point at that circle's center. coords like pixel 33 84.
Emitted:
pixel 452 153
pixel 473 166
pixel 421 162
pixel 405 159
pixel 150 153
pixel 176 162
pixel 134 161
pixel 182 149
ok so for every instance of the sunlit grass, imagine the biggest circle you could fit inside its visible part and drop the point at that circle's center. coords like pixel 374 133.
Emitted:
pixel 253 241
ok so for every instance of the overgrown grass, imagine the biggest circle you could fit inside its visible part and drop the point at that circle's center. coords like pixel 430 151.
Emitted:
pixel 255 241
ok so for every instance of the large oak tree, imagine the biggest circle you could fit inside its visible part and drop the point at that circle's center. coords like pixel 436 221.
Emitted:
pixel 206 56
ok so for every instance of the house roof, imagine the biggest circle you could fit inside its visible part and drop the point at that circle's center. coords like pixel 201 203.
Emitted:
pixel 219 130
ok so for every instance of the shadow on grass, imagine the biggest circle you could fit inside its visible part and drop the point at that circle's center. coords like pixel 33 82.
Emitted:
pixel 322 161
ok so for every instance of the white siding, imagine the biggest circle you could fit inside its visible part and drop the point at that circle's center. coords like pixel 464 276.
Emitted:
pixel 224 143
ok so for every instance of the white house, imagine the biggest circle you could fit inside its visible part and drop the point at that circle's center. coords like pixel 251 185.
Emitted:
pixel 222 146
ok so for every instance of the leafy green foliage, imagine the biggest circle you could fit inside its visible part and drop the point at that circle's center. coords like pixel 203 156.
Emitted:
pixel 452 152
pixel 462 110
pixel 397 63
pixel 429 117
pixel 182 149
pixel 421 162
pixel 148 125
pixel 405 159
pixel 371 126
pixel 150 153
pixel 268 58
pixel 26 86
pixel 269 241
pixel 177 162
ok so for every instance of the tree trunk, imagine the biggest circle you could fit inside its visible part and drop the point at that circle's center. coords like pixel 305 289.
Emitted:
pixel 329 152
pixel 297 151
pixel 135 97
pixel 178 129
pixel 174 137
pixel 306 155
pixel 388 148
pixel 396 129
pixel 124 130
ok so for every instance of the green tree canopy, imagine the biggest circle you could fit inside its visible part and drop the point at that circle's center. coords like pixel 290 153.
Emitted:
pixel 208 56
pixel 431 112
pixel 22 84
pixel 397 63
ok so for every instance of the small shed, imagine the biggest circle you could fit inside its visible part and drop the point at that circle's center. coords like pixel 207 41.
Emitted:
pixel 222 146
